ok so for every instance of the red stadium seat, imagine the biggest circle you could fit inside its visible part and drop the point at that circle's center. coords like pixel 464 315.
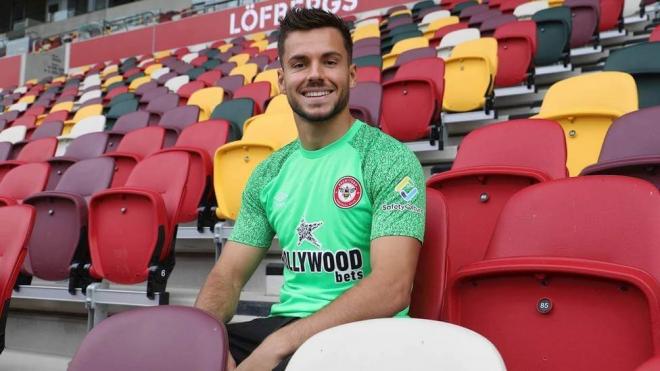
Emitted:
pixel 135 146
pixel 15 227
pixel 655 35
pixel 23 181
pixel 188 89
pixel 259 92
pixel 39 150
pixel 431 274
pixel 132 228
pixel 610 14
pixel 138 340
pixel 493 163
pixel 420 84
pixel 516 46
pixel 570 280
pixel 209 78
pixel 368 73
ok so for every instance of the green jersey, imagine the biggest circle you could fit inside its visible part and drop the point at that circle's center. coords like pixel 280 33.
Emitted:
pixel 326 206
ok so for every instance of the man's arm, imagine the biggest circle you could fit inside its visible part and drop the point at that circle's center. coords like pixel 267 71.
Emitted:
pixel 383 293
pixel 221 292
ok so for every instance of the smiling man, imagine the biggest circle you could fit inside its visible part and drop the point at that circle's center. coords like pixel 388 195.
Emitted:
pixel 346 201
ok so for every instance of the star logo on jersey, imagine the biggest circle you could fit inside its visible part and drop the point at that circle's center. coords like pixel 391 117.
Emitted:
pixel 306 232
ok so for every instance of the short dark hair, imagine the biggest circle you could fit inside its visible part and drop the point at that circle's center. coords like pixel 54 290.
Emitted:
pixel 302 19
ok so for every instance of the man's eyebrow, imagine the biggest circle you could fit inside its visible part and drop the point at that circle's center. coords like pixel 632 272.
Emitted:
pixel 324 55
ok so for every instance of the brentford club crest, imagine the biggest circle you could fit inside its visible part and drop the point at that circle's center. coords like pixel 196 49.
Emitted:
pixel 347 192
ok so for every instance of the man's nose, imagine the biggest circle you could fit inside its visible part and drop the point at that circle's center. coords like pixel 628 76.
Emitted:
pixel 315 71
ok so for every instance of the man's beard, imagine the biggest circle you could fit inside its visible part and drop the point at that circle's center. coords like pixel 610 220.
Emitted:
pixel 342 102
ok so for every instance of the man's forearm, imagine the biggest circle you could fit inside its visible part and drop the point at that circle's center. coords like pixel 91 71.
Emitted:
pixel 373 297
pixel 219 296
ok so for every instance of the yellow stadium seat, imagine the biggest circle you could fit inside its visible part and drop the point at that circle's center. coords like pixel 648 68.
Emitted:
pixel 553 3
pixel 162 54
pixel 248 71
pixel 256 36
pixel 366 32
pixel 225 47
pixel 261 45
pixel 138 82
pixel 401 12
pixel 84 112
pixel 112 80
pixel 277 130
pixel 240 59
pixel 62 106
pixel 271 77
pixel 232 166
pixel 27 99
pixel 438 24
pixel 109 69
pixel 59 79
pixel 206 99
pixel 585 106
pixel 152 68
pixel 32 82
pixel 469 75
pixel 279 104
pixel 402 46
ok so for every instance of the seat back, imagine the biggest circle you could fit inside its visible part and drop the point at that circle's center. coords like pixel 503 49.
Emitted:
pixel 236 111
pixel 631 147
pixel 60 230
pixel 163 103
pixel 575 254
pixel 142 142
pixel 489 26
pixel 209 77
pixel 259 92
pixel 38 150
pixel 365 100
pixel 131 121
pixel 655 34
pixel 13 134
pixel 91 124
pixel 277 130
pixel 15 228
pixel 24 180
pixel 469 75
pixel 586 14
pixel 397 344
pixel 206 99
pixel 638 60
pixel 450 40
pixel 585 106
pixel 231 83
pixel 516 45
pixel 180 117
pixel 47 130
pixel 610 13
pixel 175 83
pixel 248 71
pixel 269 76
pixel 489 168
pixel 553 34
pixel 131 340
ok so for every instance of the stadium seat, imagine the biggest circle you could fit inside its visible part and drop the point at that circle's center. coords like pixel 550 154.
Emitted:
pixel 91 124
pixel 231 83
pixel 476 20
pixel 397 344
pixel 209 78
pixel 369 60
pixel 23 181
pixel 553 35
pixel 161 104
pixel 364 102
pixel 269 76
pixel 207 99
pixel 631 147
pixel 132 228
pixel 366 32
pixel 138 82
pixel 516 46
pixel 402 46
pixel 37 150
pixel 248 71
pixel 586 14
pixel 450 40
pixel 438 24
pixel 639 61
pixel 175 83
pixel 259 92
pixel 490 167
pixel 84 147
pixel 364 51
pixel 631 8
pixel 117 110
pixel 433 16
pixel 13 134
pixel 177 119
pixel 58 247
pixel 420 83
pixel 470 73
pixel 527 10
pixel 16 224
pixel 610 14
pixel 137 340
pixel 236 111
pixel 566 258
pixel 82 113
pixel 489 26
pixel 133 147
pixel 655 34
pixel 279 104
pixel 430 282
pixel 188 89
pixel 585 106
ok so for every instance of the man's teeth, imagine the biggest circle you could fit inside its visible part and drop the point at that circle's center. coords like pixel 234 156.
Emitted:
pixel 314 94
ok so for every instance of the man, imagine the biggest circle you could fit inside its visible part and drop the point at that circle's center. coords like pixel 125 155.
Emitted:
pixel 346 201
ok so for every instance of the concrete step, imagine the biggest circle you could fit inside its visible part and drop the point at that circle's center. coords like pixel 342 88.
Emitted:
pixel 16 360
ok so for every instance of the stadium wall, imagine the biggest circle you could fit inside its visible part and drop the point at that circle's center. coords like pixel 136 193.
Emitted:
pixel 12 70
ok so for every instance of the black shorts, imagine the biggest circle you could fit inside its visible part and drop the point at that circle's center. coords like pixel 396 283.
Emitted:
pixel 245 337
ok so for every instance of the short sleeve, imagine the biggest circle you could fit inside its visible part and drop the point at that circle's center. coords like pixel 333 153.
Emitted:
pixel 398 196
pixel 252 226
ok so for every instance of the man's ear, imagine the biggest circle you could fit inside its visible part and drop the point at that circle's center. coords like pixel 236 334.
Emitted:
pixel 352 74
pixel 280 80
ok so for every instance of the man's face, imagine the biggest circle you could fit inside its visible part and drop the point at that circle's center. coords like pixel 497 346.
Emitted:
pixel 316 75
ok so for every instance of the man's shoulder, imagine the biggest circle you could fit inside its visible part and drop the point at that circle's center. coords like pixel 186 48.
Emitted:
pixel 271 166
pixel 376 147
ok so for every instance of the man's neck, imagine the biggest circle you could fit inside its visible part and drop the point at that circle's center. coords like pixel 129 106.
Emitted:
pixel 317 135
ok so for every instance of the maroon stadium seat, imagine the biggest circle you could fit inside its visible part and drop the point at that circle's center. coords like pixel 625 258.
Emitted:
pixel 365 101
pixel 132 148
pixel 85 146
pixel 576 260
pixel 259 92
pixel 176 120
pixel 585 21
pixel 154 339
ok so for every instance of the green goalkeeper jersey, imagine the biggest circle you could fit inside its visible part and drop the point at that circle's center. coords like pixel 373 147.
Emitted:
pixel 326 206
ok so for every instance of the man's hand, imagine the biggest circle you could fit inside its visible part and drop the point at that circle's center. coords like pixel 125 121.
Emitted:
pixel 266 356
